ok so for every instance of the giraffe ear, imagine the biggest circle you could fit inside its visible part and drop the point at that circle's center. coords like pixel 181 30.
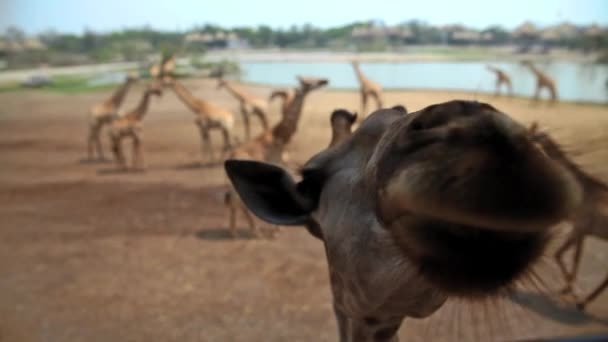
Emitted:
pixel 533 128
pixel 270 192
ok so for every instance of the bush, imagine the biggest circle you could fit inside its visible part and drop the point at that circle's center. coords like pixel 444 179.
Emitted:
pixel 603 57
pixel 223 67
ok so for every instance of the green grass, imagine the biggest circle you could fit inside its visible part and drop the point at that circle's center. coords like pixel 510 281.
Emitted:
pixel 10 87
pixel 67 84
pixel 456 53
pixel 73 84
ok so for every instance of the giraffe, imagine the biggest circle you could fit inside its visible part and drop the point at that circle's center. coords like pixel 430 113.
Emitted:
pixel 542 81
pixel 162 68
pixel 104 113
pixel 209 116
pixel 169 65
pixel 367 88
pixel 270 145
pixel 155 70
pixel 590 218
pixel 293 102
pixel 501 78
pixel 286 95
pixel 129 126
pixel 249 104
pixel 341 122
pixel 404 227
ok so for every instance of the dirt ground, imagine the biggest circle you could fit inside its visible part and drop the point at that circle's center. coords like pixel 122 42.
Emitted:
pixel 91 254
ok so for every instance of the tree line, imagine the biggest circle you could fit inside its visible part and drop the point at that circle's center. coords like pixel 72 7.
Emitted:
pixel 136 43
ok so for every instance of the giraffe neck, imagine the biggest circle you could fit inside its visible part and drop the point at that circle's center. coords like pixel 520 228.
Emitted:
pixel 239 94
pixel 493 69
pixel 359 73
pixel 185 96
pixel 119 95
pixel 535 70
pixel 285 96
pixel 555 151
pixel 142 107
pixel 338 135
pixel 285 129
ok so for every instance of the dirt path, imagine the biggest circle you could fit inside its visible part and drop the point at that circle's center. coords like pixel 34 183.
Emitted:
pixel 88 254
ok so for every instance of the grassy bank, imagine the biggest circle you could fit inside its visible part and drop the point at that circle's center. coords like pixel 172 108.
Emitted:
pixel 72 84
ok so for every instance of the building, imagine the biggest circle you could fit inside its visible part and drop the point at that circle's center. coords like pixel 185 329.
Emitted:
pixel 375 31
pixel 27 44
pixel 559 33
pixel 217 40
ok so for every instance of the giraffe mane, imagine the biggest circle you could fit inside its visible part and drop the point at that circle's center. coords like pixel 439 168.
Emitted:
pixel 556 151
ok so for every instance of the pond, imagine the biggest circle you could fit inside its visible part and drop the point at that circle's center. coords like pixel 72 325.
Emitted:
pixel 108 78
pixel 575 81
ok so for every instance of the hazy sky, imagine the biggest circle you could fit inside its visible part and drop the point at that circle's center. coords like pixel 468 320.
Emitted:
pixel 74 15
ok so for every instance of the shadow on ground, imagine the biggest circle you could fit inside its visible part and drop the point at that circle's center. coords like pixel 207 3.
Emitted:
pixel 554 309
pixel 221 234
pixel 94 161
pixel 196 165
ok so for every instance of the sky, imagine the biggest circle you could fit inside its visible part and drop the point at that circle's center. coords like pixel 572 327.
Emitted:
pixel 35 16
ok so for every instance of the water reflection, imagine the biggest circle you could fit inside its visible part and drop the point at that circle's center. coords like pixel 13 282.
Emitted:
pixel 575 81
pixel 107 78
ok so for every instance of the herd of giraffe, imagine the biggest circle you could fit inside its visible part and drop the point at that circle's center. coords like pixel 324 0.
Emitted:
pixel 543 81
pixel 412 208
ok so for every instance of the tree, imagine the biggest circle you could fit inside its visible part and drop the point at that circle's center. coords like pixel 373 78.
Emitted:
pixel 89 41
pixel 15 34
pixel 266 35
pixel 499 34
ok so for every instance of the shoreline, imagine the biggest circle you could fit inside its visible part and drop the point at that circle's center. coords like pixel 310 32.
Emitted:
pixel 464 94
pixel 472 94
pixel 413 54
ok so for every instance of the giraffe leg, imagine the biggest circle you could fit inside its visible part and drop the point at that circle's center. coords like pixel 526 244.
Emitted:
pixel 206 144
pixel 138 156
pixel 261 114
pixel 209 144
pixel 363 104
pixel 227 144
pixel 553 93
pixel 97 141
pixel 254 229
pixel 578 251
pixel 203 145
pixel 378 99
pixel 581 304
pixel 134 158
pixel 246 123
pixel 497 93
pixel 99 148
pixel 114 146
pixel 120 157
pixel 123 160
pixel 229 201
pixel 90 141
pixel 560 261
pixel 275 230
pixel 537 92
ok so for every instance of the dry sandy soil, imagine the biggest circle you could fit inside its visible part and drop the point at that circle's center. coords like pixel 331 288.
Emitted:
pixel 91 254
